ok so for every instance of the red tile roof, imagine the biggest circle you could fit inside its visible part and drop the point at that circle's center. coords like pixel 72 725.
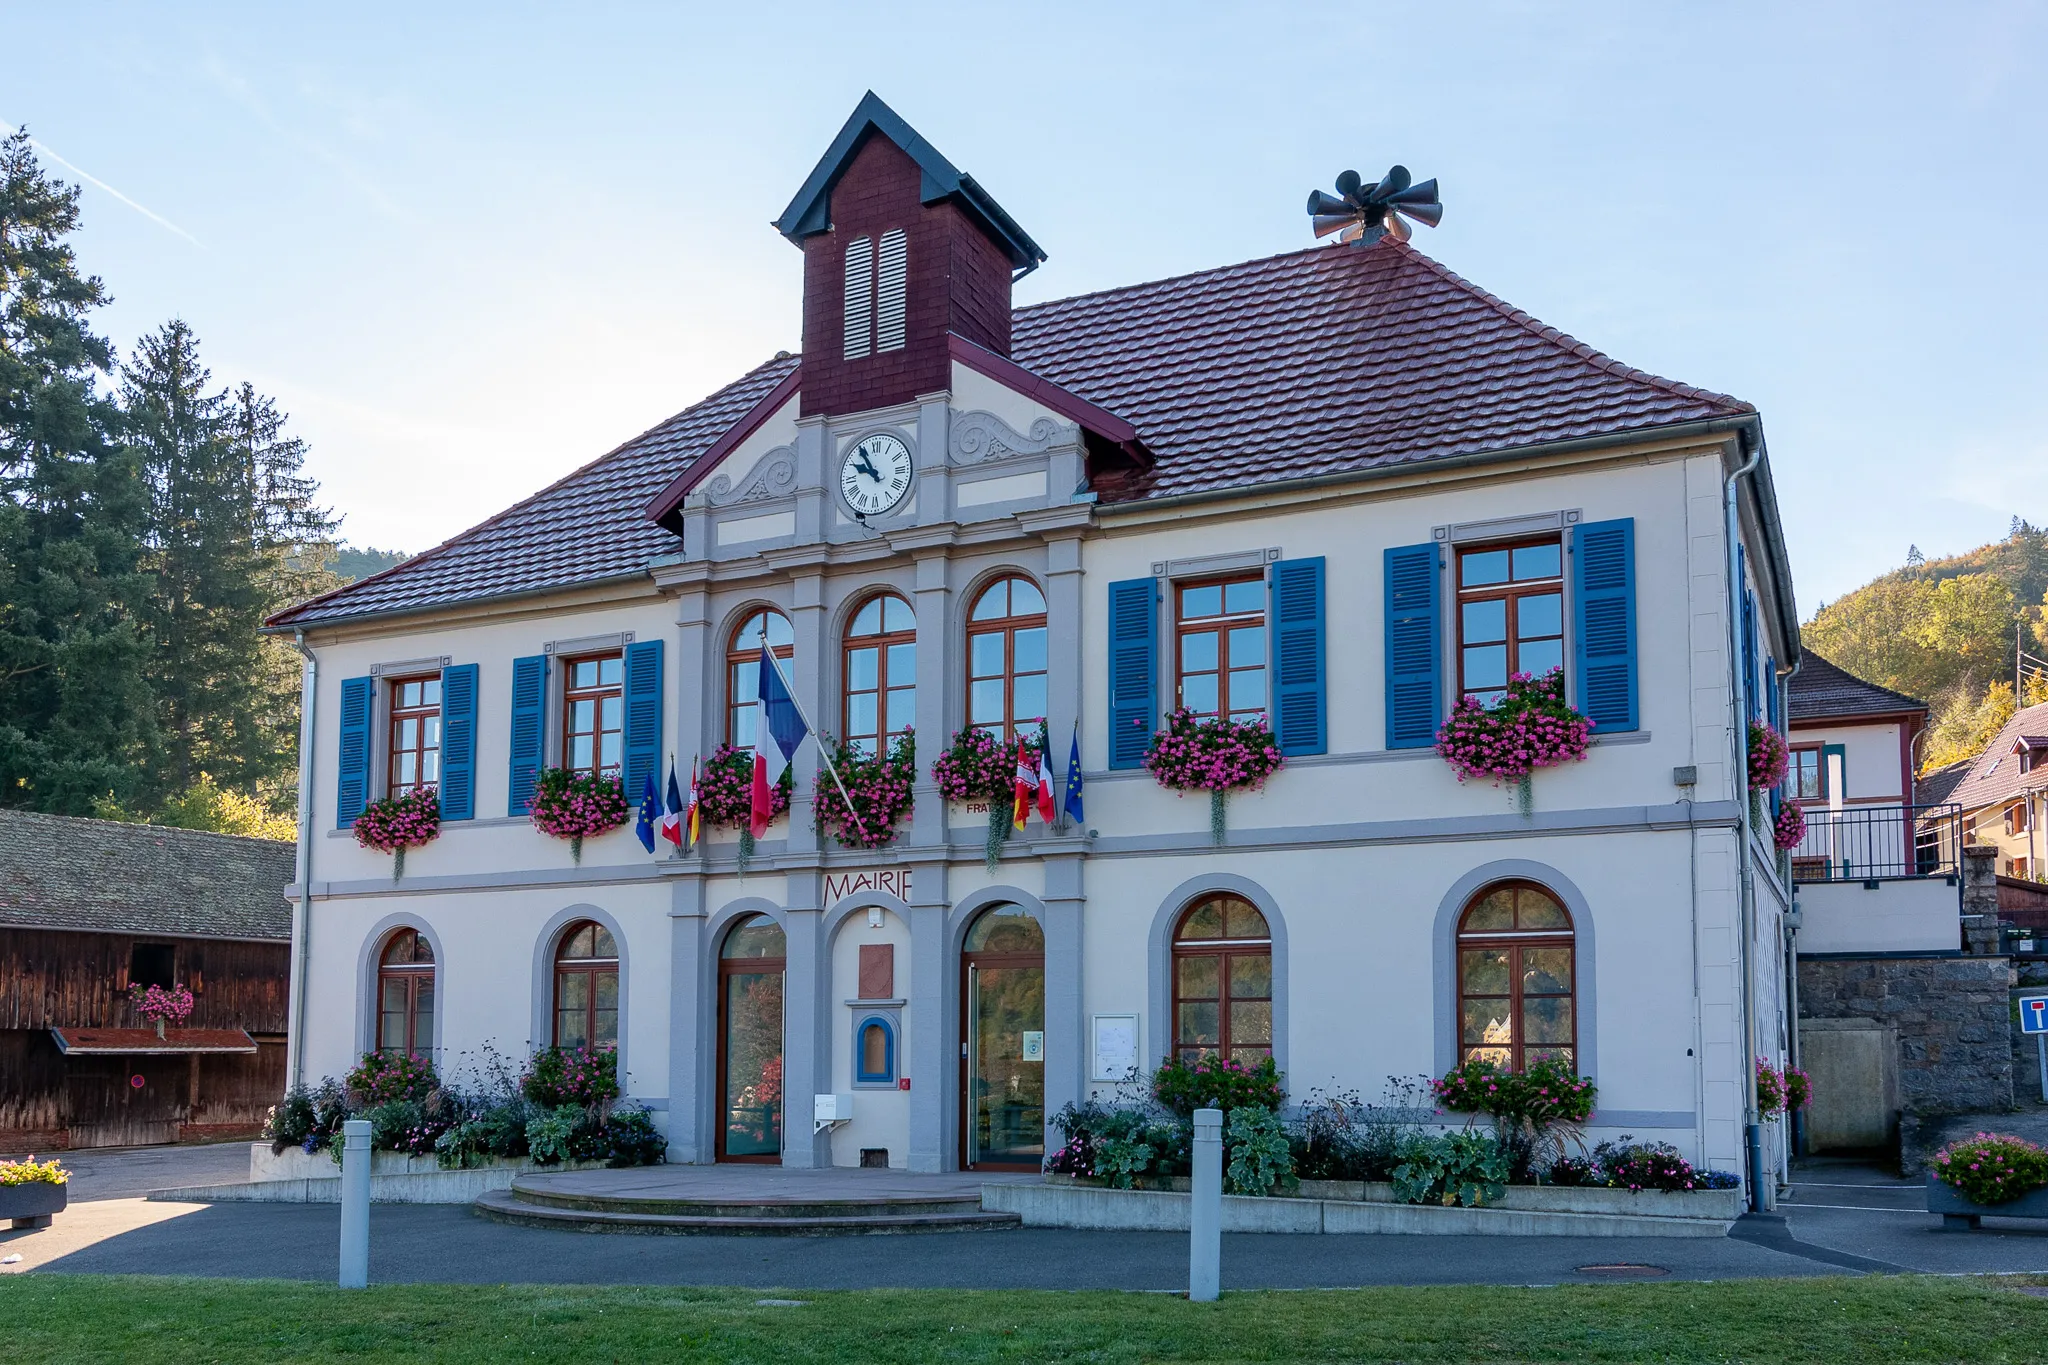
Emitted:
pixel 1320 361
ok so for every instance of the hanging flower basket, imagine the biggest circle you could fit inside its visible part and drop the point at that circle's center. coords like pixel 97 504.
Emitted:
pixel 1770 1090
pixel 398 823
pixel 1768 757
pixel 1789 830
pixel 575 806
pixel 880 787
pixel 1531 727
pixel 725 794
pixel 979 767
pixel 1211 754
pixel 160 1006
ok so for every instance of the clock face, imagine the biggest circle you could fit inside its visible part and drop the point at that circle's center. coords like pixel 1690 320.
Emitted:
pixel 875 475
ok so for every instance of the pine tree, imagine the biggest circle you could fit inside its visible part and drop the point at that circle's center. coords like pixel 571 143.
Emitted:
pixel 75 719
pixel 1914 559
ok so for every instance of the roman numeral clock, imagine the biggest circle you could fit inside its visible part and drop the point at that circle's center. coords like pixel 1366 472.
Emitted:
pixel 874 476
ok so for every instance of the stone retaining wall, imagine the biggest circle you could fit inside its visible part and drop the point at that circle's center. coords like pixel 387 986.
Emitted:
pixel 1951 1015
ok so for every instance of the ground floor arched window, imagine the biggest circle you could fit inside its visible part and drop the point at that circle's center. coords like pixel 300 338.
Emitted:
pixel 1223 982
pixel 405 994
pixel 1515 978
pixel 586 987
pixel 751 961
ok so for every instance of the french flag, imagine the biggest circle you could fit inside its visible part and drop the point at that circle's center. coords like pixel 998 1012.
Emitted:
pixel 778 729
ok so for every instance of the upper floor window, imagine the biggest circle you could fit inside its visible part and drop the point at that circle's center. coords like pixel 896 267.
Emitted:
pixel 405 994
pixel 881 673
pixel 593 715
pixel 1515 979
pixel 1510 614
pixel 1006 658
pixel 742 670
pixel 587 987
pixel 1220 662
pixel 2016 818
pixel 1807 779
pixel 415 735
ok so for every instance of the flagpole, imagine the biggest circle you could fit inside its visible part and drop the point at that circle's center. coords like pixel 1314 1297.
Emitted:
pixel 830 767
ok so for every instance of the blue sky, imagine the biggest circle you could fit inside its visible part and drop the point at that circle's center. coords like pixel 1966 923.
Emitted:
pixel 471 249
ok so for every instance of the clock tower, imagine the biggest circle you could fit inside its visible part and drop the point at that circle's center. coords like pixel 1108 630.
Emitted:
pixel 900 249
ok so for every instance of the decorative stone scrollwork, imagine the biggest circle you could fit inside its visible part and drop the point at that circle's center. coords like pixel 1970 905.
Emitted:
pixel 773 477
pixel 979 436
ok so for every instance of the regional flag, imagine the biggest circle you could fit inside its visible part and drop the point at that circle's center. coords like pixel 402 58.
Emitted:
pixel 1027 783
pixel 778 729
pixel 695 824
pixel 650 802
pixel 672 816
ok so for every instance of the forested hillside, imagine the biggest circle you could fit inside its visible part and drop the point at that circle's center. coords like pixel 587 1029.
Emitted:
pixel 150 518
pixel 1946 630
pixel 351 564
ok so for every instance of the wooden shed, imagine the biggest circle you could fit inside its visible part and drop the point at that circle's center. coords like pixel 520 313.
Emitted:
pixel 91 909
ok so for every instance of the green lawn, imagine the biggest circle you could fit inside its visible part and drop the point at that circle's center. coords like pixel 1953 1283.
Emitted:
pixel 85 1318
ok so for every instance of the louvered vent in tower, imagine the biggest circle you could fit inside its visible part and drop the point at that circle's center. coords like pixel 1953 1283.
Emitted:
pixel 890 290
pixel 860 293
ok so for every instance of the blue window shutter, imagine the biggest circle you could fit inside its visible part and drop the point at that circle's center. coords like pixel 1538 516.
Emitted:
pixel 1774 696
pixel 529 730
pixel 643 715
pixel 1297 667
pixel 1414 646
pixel 352 780
pixel 458 742
pixel 1604 622
pixel 1133 670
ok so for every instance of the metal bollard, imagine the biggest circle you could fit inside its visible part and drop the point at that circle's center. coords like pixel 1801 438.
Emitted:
pixel 1205 1214
pixel 355 1204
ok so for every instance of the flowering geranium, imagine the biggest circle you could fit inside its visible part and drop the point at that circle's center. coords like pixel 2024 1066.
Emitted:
pixel 1219 1082
pixel 398 823
pixel 1768 757
pixel 576 805
pixel 161 1005
pixel 1991 1168
pixel 1532 726
pixel 975 767
pixel 384 1077
pixel 725 793
pixel 1770 1090
pixel 1212 754
pixel 1547 1092
pixel 1788 831
pixel 879 784
pixel 1798 1088
pixel 572 1075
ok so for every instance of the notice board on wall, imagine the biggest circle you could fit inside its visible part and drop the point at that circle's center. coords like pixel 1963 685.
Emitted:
pixel 1116 1047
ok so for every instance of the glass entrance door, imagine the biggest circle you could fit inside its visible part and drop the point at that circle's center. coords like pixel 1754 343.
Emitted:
pixel 750 1042
pixel 1003 1049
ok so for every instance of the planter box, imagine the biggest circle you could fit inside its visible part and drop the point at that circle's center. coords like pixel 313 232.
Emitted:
pixel 297 1177
pixel 33 1205
pixel 1064 1202
pixel 1719 1204
pixel 1959 1212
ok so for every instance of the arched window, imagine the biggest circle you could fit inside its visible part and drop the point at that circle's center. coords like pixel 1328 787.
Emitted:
pixel 587 987
pixel 750 966
pixel 881 672
pixel 742 671
pixel 1006 658
pixel 1223 982
pixel 405 994
pixel 1515 978
pixel 874 1052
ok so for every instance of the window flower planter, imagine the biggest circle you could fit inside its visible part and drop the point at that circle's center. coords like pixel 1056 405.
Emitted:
pixel 576 806
pixel 398 823
pixel 1532 726
pixel 1212 754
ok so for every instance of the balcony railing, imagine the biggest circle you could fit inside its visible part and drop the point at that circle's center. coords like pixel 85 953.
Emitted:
pixel 1872 843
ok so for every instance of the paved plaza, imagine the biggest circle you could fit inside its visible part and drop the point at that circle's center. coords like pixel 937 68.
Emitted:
pixel 1840 1218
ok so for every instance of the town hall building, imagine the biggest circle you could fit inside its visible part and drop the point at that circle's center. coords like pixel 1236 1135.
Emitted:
pixel 1338 488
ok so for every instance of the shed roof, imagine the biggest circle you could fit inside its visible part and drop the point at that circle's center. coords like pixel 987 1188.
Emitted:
pixel 57 872
pixel 1320 361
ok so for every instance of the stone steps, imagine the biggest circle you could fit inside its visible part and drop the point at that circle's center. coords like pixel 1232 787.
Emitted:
pixel 538 1206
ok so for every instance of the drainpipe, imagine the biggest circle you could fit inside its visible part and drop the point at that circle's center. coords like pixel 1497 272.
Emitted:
pixel 1795 1122
pixel 309 703
pixel 1738 696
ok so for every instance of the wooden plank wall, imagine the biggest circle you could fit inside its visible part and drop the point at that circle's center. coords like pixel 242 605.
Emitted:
pixel 53 978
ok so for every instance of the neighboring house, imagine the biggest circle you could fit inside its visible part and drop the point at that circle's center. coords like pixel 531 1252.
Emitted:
pixel 1339 487
pixel 1851 740
pixel 89 910
pixel 2000 794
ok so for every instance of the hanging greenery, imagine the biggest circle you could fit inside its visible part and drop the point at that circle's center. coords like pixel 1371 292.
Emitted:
pixel 1215 755
pixel 575 806
pixel 1532 726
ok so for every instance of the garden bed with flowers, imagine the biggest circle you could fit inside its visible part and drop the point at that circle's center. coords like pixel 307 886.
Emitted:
pixel 1519 1164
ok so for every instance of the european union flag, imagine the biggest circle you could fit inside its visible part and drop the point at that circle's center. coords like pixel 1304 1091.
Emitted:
pixel 650 810
pixel 1072 804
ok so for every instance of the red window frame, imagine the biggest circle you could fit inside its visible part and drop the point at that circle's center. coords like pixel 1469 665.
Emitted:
pixel 405 974
pixel 1514 592
pixel 587 682
pixel 587 955
pixel 1239 955
pixel 413 755
pixel 739 696
pixel 985 671
pixel 886 686
pixel 1516 943
pixel 1235 657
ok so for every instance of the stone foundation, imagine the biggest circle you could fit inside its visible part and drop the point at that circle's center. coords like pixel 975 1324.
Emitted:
pixel 1951 1015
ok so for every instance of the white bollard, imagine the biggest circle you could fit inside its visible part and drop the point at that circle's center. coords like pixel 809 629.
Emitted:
pixel 355 1204
pixel 1205 1214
